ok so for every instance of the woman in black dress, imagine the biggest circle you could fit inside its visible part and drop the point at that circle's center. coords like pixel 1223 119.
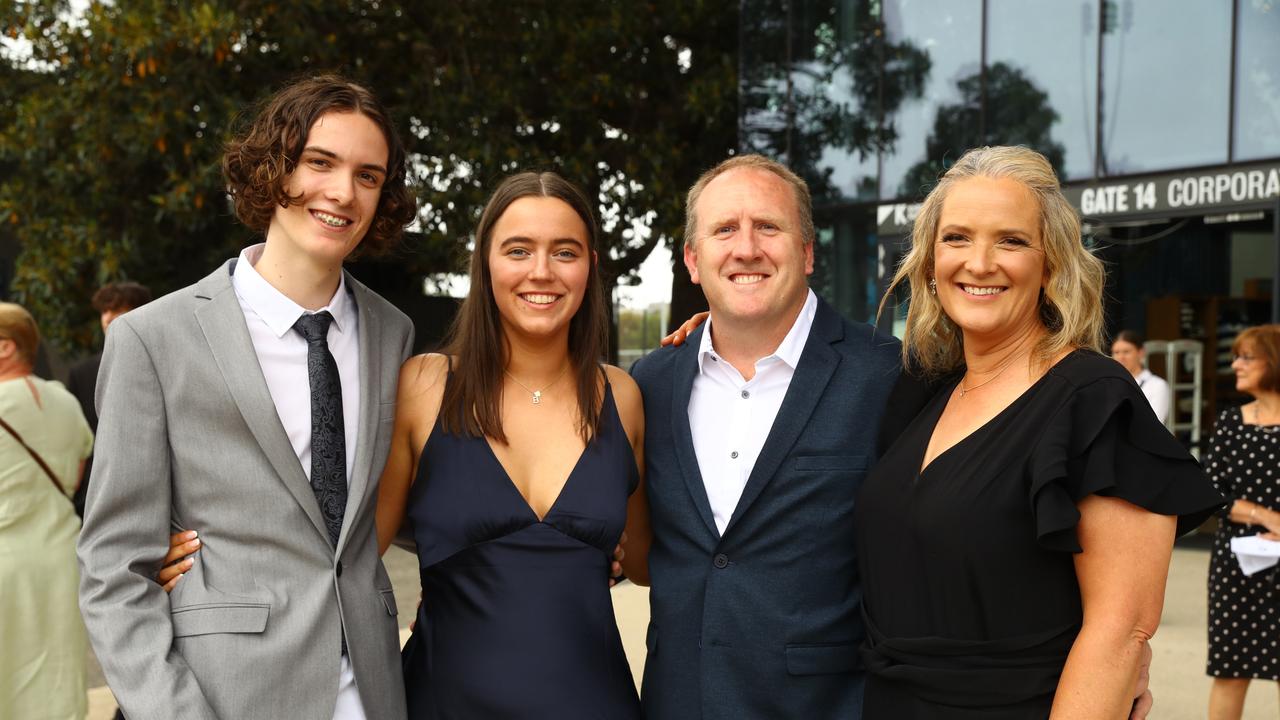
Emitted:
pixel 1244 610
pixel 1015 538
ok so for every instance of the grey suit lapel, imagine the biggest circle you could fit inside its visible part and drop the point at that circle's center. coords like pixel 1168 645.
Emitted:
pixel 222 322
pixel 370 397
pixel 818 362
pixel 686 369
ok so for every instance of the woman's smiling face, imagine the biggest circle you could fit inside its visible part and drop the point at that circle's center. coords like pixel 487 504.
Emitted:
pixel 989 260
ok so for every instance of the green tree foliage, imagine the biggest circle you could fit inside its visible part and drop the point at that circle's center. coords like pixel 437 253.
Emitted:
pixel 640 329
pixel 111 127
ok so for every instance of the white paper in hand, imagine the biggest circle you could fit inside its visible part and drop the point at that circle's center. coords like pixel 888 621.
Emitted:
pixel 1255 553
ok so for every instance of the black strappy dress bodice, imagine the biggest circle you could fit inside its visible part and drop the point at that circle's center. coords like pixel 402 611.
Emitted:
pixel 516 618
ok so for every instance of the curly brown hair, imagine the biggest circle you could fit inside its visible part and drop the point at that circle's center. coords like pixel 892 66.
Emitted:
pixel 259 159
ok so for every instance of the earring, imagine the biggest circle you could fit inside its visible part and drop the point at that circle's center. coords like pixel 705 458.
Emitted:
pixel 933 286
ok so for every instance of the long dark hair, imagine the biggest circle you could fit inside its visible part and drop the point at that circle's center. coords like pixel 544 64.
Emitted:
pixel 472 403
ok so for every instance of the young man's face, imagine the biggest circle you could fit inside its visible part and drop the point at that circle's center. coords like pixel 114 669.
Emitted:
pixel 337 182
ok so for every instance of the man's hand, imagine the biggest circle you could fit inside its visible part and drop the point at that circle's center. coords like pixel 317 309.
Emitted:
pixel 179 559
pixel 678 335
pixel 1142 699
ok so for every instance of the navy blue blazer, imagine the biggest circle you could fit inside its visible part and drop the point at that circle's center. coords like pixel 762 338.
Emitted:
pixel 765 621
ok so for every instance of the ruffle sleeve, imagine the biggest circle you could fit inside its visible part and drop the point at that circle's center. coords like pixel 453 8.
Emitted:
pixel 1105 440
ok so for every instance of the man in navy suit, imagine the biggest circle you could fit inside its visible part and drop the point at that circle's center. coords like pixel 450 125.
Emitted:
pixel 759 431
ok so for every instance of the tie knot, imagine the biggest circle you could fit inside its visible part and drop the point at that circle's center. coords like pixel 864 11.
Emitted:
pixel 315 328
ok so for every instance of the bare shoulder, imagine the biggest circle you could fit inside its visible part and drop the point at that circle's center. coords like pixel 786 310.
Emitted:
pixel 626 396
pixel 624 386
pixel 423 375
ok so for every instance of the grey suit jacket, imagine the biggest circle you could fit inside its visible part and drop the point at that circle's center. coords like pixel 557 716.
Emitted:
pixel 189 437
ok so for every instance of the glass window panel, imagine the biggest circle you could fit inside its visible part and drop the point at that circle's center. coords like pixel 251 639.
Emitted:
pixel 816 108
pixel 1042 79
pixel 1165 84
pixel 932 128
pixel 1258 80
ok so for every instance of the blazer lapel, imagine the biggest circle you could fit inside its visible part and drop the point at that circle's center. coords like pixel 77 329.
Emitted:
pixel 222 322
pixel 818 362
pixel 371 357
pixel 686 369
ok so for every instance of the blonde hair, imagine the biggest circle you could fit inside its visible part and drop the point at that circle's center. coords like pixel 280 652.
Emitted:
pixel 1071 303
pixel 16 324
pixel 799 188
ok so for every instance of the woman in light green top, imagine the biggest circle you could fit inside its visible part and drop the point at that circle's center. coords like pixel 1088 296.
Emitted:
pixel 42 639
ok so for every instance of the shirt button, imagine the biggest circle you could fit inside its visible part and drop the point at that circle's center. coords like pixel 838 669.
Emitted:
pixel 721 561
pixel 734 455
pixel 746 394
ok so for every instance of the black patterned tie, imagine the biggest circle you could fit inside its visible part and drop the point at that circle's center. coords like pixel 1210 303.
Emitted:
pixel 328 436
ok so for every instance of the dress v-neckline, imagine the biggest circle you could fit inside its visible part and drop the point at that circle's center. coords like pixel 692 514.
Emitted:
pixel 944 397
pixel 564 486
pixel 511 483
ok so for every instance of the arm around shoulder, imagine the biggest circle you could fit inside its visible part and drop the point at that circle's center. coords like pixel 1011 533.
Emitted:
pixel 418 395
pixel 635 559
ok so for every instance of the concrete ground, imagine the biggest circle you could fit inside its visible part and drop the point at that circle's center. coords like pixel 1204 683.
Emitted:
pixel 1177 676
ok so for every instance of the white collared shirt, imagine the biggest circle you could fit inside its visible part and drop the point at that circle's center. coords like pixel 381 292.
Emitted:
pixel 1157 392
pixel 282 354
pixel 730 417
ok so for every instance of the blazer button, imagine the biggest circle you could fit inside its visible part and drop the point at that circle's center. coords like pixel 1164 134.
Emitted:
pixel 338 569
pixel 721 561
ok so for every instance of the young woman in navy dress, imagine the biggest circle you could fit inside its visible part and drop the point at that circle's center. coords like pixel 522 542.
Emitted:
pixel 513 459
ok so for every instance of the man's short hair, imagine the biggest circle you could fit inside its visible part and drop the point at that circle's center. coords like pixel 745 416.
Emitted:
pixel 799 188
pixel 16 324
pixel 120 297
pixel 257 163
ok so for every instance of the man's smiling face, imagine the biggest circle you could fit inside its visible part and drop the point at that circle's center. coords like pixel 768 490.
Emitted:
pixel 749 255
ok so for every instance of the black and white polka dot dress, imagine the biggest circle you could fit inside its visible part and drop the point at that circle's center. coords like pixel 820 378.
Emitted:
pixel 1244 612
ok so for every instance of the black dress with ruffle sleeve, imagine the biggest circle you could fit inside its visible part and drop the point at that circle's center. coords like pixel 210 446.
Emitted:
pixel 969 590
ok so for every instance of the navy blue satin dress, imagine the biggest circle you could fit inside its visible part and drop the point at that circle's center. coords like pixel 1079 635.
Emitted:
pixel 516 618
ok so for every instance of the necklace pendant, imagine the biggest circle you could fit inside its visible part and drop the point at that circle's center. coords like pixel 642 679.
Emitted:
pixel 537 397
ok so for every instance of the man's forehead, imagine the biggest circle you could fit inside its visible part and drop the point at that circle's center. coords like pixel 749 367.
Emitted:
pixel 749 191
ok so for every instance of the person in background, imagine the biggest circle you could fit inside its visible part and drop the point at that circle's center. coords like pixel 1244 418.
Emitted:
pixel 1127 350
pixel 44 441
pixel 111 301
pixel 1244 611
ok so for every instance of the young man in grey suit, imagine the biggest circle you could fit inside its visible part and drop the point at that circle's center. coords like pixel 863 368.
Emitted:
pixel 759 430
pixel 256 406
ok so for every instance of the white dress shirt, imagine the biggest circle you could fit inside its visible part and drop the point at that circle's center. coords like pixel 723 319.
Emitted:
pixel 730 417
pixel 282 355
pixel 1157 392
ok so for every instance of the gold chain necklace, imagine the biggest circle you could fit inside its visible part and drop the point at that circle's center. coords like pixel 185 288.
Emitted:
pixel 999 372
pixel 537 394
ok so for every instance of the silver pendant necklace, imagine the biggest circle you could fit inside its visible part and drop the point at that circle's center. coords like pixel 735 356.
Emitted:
pixel 537 394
